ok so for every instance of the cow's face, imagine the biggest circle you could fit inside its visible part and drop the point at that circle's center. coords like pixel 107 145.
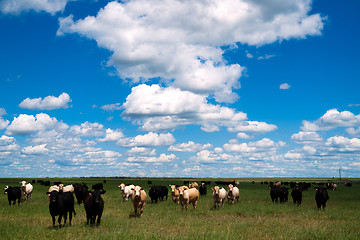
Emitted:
pixel 6 188
pixel 23 183
pixel 173 187
pixel 97 195
pixel 122 187
pixel 136 191
pixel 230 187
pixel 181 190
pixel 216 190
pixel 53 196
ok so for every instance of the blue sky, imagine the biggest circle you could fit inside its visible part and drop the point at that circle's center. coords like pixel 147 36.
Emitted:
pixel 235 88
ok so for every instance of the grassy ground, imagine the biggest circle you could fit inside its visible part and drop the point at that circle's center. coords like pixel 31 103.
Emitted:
pixel 254 217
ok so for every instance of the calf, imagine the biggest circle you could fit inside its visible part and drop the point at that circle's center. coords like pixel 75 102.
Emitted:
pixel 203 189
pixel 321 197
pixel 94 206
pixel 138 199
pixel 174 193
pixel 233 194
pixel 219 195
pixel 187 196
pixel 61 203
pixel 13 194
pixel 126 191
pixel 27 189
pixel 296 195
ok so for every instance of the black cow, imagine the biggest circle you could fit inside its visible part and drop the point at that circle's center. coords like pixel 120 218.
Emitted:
pixel 158 193
pixel 321 197
pixel 349 184
pixel 61 203
pixel 202 189
pixel 81 191
pixel 94 206
pixel 13 194
pixel 284 193
pixel 274 193
pixel 296 195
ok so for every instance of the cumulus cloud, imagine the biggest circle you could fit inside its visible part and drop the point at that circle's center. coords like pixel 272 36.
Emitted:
pixel 284 86
pixel 293 155
pixel 353 131
pixel 163 158
pixel 141 151
pixel 48 103
pixel 27 124
pixel 306 137
pixel 330 120
pixel 253 127
pixel 88 129
pixel 36 150
pixel 147 41
pixel 343 144
pixel 150 139
pixel 112 135
pixel 157 108
pixel 264 144
pixel 18 6
pixel 3 122
pixel 189 147
pixel 8 144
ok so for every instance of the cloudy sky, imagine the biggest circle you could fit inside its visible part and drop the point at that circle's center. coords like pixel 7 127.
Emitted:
pixel 170 88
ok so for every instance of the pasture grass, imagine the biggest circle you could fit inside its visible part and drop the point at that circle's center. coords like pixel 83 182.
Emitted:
pixel 254 217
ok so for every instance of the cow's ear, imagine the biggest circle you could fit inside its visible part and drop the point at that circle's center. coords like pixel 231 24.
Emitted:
pixel 142 189
pixel 133 189
pixel 90 193
pixel 48 193
pixel 212 188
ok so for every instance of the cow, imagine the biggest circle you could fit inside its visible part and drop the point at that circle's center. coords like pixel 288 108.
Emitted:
pixel 81 192
pixel 174 193
pixel 233 194
pixel 203 189
pixel 67 188
pixel 158 193
pixel 94 206
pixel 194 185
pixel 321 197
pixel 277 184
pixel 138 199
pixel 61 203
pixel 348 184
pixel 126 191
pixel 26 189
pixel 219 195
pixel 187 196
pixel 334 187
pixel 13 194
pixel 296 195
pixel 274 193
pixel 284 193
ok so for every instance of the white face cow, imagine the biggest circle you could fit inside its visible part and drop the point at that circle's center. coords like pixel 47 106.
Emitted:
pixel 137 191
pixel 122 187
pixel 23 183
pixel 216 190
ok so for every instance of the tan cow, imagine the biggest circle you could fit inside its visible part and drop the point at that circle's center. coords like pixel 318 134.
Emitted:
pixel 194 185
pixel 174 193
pixel 233 193
pixel 187 196
pixel 138 198
pixel 219 195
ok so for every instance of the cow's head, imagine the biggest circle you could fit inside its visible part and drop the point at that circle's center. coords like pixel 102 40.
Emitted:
pixel 137 191
pixel 53 196
pixel 6 188
pixel 216 190
pixel 230 187
pixel 96 194
pixel 23 183
pixel 172 187
pixel 122 187
pixel 182 189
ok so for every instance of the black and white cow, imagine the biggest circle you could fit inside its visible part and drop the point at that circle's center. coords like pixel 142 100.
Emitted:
pixel 13 194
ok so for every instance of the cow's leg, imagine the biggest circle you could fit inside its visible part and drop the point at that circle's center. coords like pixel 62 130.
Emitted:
pixel 65 218
pixel 98 219
pixel 53 219
pixel 59 220
pixel 142 209
pixel 70 217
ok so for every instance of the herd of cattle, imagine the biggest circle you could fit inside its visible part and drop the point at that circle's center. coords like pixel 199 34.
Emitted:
pixel 61 198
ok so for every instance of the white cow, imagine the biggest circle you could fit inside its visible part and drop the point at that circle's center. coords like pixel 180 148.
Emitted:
pixel 26 189
pixel 233 193
pixel 126 191
pixel 219 195
pixel 138 198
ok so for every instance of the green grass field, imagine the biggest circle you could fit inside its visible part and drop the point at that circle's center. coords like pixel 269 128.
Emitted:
pixel 254 217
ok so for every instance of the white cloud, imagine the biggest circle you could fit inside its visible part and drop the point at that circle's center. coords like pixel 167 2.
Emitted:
pixel 293 155
pixel 310 150
pixel 48 103
pixel 147 40
pixel 3 122
pixel 284 86
pixel 141 151
pixel 253 127
pixel 8 144
pixel 343 144
pixel 36 150
pixel 330 120
pixel 242 135
pixel 353 131
pixel 111 107
pixel 112 135
pixel 189 147
pixel 27 124
pixel 88 129
pixel 157 108
pixel 264 144
pixel 306 137
pixel 147 140
pixel 163 158
pixel 18 6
